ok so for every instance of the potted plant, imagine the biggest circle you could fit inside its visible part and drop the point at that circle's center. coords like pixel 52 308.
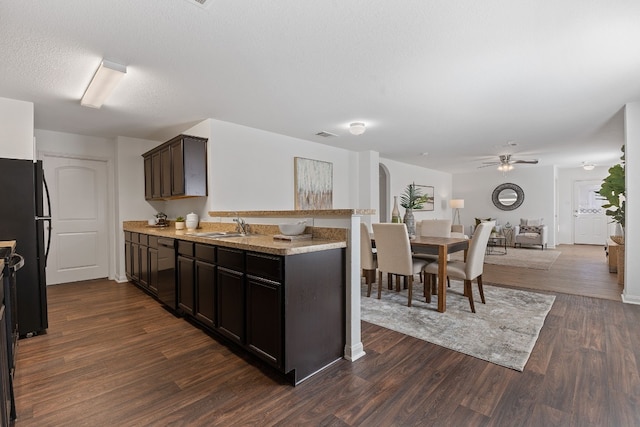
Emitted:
pixel 613 190
pixel 180 223
pixel 410 200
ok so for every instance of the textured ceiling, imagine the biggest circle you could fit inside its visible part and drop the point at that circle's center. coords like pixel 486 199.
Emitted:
pixel 457 79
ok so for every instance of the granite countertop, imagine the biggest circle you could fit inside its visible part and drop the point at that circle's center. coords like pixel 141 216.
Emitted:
pixel 332 213
pixel 264 243
pixel 6 243
pixel 10 243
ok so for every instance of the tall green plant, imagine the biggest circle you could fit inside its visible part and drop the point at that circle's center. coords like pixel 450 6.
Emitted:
pixel 613 190
pixel 412 198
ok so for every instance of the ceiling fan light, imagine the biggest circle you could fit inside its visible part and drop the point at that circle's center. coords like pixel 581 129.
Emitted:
pixel 357 128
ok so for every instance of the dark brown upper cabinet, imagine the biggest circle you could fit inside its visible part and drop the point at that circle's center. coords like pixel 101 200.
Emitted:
pixel 176 169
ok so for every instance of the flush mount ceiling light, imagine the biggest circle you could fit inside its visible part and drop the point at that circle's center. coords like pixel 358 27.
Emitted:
pixel 588 166
pixel 103 82
pixel 357 128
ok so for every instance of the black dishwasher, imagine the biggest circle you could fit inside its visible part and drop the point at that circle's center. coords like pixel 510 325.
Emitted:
pixel 167 272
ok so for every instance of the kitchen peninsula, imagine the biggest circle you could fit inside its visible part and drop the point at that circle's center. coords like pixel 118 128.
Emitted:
pixel 283 302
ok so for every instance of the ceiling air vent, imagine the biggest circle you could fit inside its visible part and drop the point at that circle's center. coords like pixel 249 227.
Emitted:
pixel 201 3
pixel 326 134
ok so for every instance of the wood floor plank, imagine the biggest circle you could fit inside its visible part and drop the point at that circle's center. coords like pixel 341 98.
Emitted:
pixel 113 356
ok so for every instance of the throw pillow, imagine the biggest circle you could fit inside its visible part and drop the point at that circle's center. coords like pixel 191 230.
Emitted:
pixel 530 229
pixel 479 220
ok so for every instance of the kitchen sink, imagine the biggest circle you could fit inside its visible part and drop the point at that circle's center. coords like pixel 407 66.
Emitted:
pixel 218 234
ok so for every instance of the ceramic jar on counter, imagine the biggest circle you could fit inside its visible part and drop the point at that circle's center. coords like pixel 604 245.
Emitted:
pixel 192 221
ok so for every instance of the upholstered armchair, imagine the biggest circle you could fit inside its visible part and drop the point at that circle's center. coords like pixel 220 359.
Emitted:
pixel 530 232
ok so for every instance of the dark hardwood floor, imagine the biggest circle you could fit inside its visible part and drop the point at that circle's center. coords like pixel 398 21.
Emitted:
pixel 580 270
pixel 113 357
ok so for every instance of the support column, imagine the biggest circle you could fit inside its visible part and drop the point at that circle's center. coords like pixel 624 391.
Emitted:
pixel 353 349
pixel 631 293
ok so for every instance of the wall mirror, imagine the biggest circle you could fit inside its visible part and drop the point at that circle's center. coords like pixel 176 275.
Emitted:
pixel 507 196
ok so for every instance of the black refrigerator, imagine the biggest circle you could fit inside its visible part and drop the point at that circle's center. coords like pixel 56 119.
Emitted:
pixel 22 218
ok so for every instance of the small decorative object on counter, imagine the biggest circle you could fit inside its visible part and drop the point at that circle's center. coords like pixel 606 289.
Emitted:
pixel 395 213
pixel 179 223
pixel 293 229
pixel 192 221
pixel 161 219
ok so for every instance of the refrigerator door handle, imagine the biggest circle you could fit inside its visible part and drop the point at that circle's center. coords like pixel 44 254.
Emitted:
pixel 48 219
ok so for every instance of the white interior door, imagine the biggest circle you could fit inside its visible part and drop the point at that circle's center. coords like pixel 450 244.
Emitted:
pixel 79 243
pixel 590 220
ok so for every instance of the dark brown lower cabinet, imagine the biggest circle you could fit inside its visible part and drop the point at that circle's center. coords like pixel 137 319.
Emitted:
pixel 186 275
pixel 143 274
pixel 153 270
pixel 135 262
pixel 205 309
pixel 141 260
pixel 314 312
pixel 288 311
pixel 128 262
pixel 264 320
pixel 230 285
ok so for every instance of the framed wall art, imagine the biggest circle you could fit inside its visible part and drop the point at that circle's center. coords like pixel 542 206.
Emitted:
pixel 429 193
pixel 313 182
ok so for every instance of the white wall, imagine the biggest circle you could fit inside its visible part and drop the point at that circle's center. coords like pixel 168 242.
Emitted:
pixel 368 183
pixel 252 169
pixel 537 182
pixel 632 228
pixel 402 174
pixel 81 146
pixel 131 204
pixel 16 129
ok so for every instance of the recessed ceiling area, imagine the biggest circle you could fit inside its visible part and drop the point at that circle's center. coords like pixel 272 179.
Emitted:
pixel 457 79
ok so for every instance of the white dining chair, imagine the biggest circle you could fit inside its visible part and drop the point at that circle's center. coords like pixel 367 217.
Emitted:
pixel 394 256
pixel 433 228
pixel 472 268
pixel 368 259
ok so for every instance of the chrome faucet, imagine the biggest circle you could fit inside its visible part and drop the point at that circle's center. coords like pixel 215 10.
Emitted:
pixel 241 225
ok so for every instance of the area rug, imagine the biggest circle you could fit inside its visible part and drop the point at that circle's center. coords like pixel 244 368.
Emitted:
pixel 502 331
pixel 536 259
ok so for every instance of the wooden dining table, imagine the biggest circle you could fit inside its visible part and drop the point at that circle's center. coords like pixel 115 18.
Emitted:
pixel 441 246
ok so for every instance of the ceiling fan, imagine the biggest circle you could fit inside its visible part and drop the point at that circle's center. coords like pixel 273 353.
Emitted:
pixel 506 163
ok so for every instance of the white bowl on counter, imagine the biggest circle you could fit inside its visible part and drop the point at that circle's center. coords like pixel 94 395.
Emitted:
pixel 292 229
